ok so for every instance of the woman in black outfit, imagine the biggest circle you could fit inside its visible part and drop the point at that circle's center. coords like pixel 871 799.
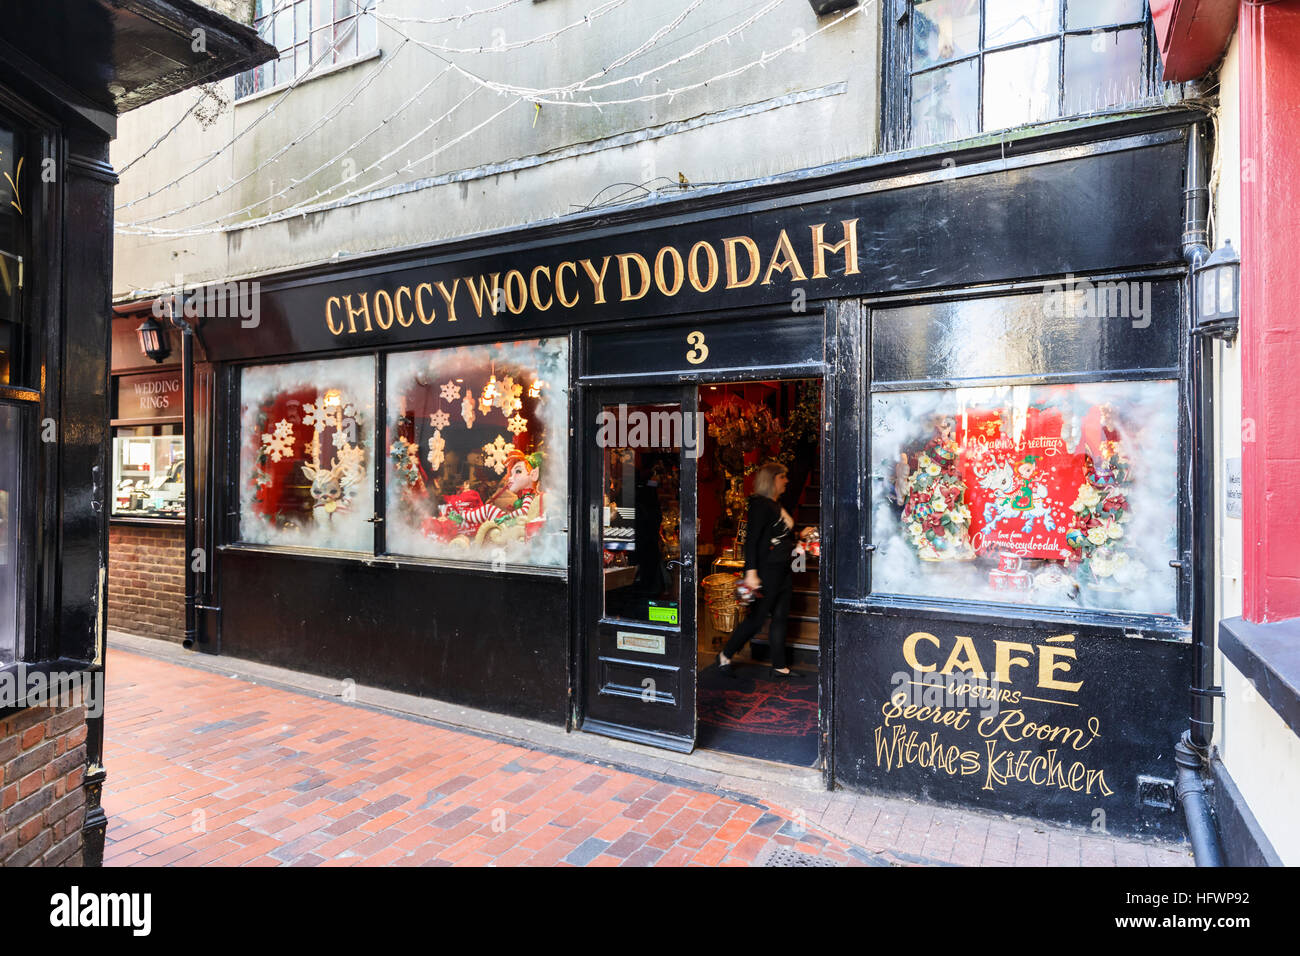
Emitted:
pixel 769 544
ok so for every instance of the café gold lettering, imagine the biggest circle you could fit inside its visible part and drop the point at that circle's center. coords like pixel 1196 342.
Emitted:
pixel 740 260
pixel 964 657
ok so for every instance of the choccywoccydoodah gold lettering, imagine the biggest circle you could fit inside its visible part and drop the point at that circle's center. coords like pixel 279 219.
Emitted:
pixel 363 311
pixel 625 277
pixel 679 271
pixel 448 297
pixel 532 288
pixel 486 290
pixel 790 262
pixel 329 315
pixel 516 300
pixel 559 284
pixel 729 247
pixel 404 320
pixel 387 302
pixel 848 245
pixel 597 278
pixel 419 303
pixel 693 266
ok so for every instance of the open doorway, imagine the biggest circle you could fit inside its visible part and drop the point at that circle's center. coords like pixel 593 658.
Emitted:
pixel 751 711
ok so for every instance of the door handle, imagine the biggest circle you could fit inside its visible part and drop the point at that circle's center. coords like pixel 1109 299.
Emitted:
pixel 686 562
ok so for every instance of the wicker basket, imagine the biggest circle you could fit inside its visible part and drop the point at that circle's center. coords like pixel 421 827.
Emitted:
pixel 720 598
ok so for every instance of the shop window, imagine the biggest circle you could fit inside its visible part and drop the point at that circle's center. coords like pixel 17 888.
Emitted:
pixel 958 68
pixel 1027 452
pixel 477 463
pixel 323 32
pixel 307 454
pixel 148 472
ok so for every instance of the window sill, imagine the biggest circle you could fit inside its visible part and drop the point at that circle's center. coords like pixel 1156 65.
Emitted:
pixel 395 562
pixel 1012 136
pixel 1268 655
pixel 336 68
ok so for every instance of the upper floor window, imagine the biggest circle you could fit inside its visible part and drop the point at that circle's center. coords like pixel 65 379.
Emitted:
pixel 309 34
pixel 963 67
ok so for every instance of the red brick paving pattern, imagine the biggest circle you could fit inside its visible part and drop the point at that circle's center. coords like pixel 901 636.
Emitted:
pixel 205 769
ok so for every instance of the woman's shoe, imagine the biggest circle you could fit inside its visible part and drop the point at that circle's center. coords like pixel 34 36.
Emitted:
pixel 791 675
pixel 729 668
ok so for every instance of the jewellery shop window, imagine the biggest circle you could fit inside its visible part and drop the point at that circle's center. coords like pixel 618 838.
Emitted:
pixel 1060 495
pixel 477 469
pixel 307 454
pixel 148 472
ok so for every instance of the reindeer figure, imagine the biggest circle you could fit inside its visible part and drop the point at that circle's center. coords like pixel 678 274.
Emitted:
pixel 329 489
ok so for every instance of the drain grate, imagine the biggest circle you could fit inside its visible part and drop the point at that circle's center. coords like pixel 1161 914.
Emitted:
pixel 777 855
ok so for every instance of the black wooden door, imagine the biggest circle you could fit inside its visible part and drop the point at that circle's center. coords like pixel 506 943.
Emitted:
pixel 639 569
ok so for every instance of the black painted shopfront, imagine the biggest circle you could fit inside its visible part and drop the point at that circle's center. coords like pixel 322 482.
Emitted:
pixel 999 349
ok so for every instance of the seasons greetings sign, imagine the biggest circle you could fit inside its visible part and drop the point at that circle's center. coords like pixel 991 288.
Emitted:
pixel 1019 483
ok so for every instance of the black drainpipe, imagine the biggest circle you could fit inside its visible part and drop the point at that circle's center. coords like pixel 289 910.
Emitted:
pixel 1191 753
pixel 187 388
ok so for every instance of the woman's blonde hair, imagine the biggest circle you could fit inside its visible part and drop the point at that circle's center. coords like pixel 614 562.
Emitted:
pixel 765 478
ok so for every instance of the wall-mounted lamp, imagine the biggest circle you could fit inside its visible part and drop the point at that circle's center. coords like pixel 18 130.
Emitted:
pixel 153 339
pixel 823 7
pixel 1218 294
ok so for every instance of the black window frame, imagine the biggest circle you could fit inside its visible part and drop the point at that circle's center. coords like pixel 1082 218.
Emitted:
pixel 867 597
pixel 896 95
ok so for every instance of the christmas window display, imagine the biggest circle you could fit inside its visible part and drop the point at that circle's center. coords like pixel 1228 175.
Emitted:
pixel 477 461
pixel 306 457
pixel 1061 496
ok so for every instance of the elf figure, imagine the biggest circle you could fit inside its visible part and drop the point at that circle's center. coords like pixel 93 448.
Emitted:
pixel 515 511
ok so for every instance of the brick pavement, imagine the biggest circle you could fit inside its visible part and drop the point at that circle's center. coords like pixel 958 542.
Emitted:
pixel 205 768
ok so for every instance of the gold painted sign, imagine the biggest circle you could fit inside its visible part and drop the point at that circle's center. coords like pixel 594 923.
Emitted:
pixel 952 715
pixel 734 262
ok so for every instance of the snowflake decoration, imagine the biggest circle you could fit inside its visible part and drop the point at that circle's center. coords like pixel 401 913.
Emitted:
pixel 495 452
pixel 439 420
pixel 341 439
pixel 450 392
pixel 517 425
pixel 316 417
pixel 277 446
pixel 283 429
pixel 349 411
pixel 510 393
pixel 467 409
pixel 436 445
pixel 352 460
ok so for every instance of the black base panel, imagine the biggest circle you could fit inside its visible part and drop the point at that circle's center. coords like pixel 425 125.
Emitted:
pixel 1119 724
pixel 492 641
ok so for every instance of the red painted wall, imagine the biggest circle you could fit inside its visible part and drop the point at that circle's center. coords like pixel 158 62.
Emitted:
pixel 1270 322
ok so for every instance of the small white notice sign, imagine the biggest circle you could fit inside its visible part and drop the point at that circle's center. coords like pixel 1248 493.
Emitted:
pixel 1232 487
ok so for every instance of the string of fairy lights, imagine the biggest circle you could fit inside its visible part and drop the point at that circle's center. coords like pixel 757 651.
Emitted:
pixel 572 94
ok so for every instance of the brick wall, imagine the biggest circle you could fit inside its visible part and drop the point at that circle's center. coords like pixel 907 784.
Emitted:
pixel 146 580
pixel 42 803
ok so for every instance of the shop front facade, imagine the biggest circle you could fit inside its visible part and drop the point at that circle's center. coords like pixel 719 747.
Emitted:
pixel 498 471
